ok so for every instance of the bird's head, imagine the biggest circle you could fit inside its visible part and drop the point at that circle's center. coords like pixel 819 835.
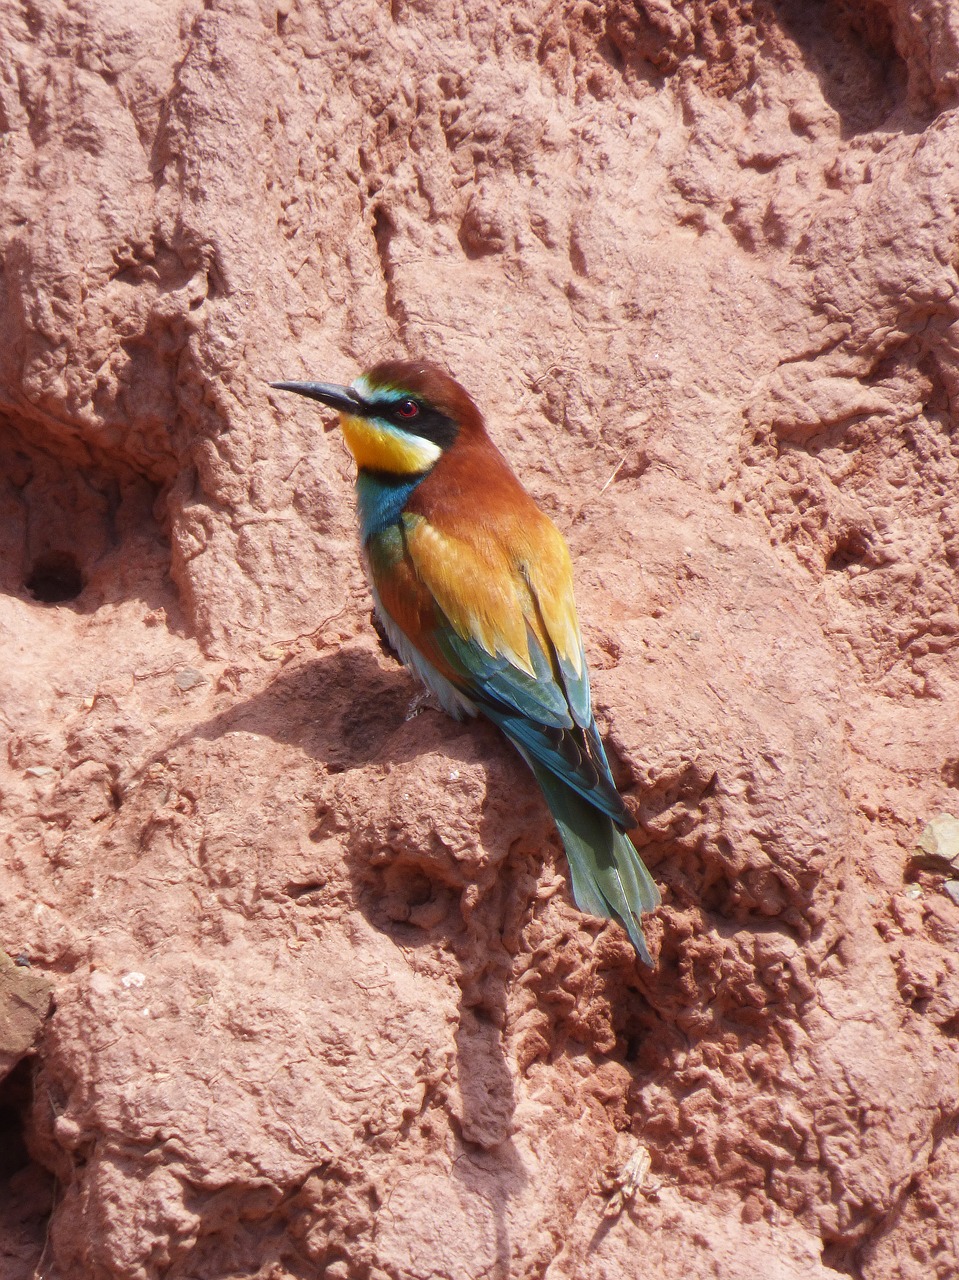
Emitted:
pixel 399 417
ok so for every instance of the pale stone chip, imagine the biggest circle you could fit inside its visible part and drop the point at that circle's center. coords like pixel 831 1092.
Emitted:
pixel 940 838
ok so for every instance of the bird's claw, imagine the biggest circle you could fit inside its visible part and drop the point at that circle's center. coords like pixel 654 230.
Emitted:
pixel 422 701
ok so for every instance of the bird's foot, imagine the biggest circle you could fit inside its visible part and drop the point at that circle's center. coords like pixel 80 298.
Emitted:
pixel 423 701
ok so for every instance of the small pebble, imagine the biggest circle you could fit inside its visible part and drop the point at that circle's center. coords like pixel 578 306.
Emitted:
pixel 189 678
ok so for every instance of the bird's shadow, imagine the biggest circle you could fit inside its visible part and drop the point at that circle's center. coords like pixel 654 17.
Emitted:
pixel 348 709
pixel 351 708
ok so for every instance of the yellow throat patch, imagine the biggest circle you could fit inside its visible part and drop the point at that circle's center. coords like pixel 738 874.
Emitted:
pixel 378 447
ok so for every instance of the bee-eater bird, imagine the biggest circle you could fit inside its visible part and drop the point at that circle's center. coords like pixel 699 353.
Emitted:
pixel 474 588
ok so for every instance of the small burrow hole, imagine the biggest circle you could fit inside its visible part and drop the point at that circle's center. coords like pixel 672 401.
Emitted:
pixel 26 1189
pixel 54 578
pixel 852 548
pixel 15 1093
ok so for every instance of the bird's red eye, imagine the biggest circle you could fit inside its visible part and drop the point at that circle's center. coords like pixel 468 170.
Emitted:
pixel 407 409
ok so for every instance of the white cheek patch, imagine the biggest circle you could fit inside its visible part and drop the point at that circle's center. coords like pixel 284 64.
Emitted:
pixel 425 451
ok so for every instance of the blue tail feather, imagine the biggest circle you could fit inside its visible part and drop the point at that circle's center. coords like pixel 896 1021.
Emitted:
pixel 608 875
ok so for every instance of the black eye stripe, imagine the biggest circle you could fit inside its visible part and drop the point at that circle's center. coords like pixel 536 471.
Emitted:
pixel 427 422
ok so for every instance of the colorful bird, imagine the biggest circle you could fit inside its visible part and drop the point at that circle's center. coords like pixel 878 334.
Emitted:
pixel 474 587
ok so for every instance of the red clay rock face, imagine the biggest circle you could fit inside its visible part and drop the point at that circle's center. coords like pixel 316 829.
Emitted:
pixel 323 1005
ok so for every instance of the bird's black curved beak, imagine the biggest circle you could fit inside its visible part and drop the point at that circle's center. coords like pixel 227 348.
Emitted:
pixel 342 398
